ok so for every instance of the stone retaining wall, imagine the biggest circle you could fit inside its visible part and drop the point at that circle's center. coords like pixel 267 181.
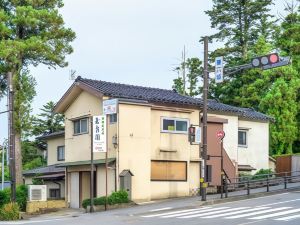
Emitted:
pixel 37 206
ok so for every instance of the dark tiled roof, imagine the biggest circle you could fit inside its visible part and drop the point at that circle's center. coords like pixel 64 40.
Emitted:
pixel 117 90
pixel 44 170
pixel 125 91
pixel 241 112
pixel 52 135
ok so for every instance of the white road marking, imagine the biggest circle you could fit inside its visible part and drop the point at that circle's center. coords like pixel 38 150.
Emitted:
pixel 211 213
pixel 174 212
pixel 198 211
pixel 257 213
pixel 287 218
pixel 251 199
pixel 161 209
pixel 277 203
pixel 275 214
pixel 234 213
pixel 145 203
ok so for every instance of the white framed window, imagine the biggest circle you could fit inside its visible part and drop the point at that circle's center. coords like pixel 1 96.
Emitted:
pixel 81 126
pixel 174 125
pixel 243 138
pixel 60 153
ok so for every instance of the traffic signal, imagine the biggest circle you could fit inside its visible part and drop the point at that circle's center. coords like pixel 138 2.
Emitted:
pixel 265 60
pixel 192 134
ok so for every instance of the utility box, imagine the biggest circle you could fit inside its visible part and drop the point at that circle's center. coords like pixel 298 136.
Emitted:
pixel 37 193
pixel 125 181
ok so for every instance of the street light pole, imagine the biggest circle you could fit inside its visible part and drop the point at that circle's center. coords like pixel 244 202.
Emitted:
pixel 204 118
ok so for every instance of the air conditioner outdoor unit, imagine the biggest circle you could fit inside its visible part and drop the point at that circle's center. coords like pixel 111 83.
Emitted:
pixel 37 192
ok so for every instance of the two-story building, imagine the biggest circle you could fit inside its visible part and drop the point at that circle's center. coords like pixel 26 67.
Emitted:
pixel 148 150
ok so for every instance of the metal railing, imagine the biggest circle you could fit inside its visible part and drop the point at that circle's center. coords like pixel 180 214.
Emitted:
pixel 260 183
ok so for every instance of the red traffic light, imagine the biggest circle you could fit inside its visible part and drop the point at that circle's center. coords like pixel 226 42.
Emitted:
pixel 265 60
pixel 192 130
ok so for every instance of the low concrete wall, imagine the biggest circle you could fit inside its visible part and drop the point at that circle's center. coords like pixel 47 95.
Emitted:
pixel 37 206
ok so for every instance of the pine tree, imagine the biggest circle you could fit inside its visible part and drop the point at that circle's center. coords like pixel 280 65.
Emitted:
pixel 47 122
pixel 32 32
pixel 239 23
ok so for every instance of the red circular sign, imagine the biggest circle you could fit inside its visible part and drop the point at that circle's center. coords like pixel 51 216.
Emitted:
pixel 220 134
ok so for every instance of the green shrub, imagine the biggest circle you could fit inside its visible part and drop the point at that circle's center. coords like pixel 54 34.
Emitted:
pixel 114 198
pixel 4 197
pixel 118 197
pixel 10 211
pixel 262 174
pixel 21 196
pixel 86 203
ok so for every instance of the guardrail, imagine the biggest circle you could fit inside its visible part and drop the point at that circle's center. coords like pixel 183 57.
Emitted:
pixel 260 183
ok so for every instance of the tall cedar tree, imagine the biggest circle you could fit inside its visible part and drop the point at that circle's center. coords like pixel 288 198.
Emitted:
pixel 32 32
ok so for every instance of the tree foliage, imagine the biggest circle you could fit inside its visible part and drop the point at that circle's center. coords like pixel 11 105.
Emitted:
pixel 47 122
pixel 193 72
pixel 32 32
pixel 248 29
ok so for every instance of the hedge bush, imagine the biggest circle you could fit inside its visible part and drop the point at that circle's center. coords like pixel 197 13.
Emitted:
pixel 21 196
pixel 10 211
pixel 115 198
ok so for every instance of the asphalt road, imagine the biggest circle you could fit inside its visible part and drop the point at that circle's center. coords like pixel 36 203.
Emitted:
pixel 283 208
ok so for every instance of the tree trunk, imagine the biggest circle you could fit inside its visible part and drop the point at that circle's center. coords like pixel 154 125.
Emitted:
pixel 18 159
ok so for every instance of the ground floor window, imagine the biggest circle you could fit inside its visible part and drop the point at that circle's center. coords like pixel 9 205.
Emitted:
pixel 54 193
pixel 168 170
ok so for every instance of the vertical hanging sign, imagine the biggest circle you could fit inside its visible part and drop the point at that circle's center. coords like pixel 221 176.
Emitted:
pixel 99 133
pixel 219 69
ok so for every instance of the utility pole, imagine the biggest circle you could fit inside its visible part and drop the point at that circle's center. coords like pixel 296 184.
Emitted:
pixel 11 137
pixel 204 118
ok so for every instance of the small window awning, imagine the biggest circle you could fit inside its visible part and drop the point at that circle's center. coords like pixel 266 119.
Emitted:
pixel 87 162
pixel 245 168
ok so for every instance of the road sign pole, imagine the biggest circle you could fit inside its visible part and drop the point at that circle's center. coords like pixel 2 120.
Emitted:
pixel 106 166
pixel 204 122
pixel 92 168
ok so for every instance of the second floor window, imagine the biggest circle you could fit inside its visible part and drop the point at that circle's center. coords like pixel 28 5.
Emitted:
pixel 174 125
pixel 242 138
pixel 113 118
pixel 81 126
pixel 60 153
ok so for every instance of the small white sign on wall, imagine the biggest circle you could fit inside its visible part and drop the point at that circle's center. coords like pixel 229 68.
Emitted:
pixel 198 135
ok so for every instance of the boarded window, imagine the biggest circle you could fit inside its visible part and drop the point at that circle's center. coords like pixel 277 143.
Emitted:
pixel 168 171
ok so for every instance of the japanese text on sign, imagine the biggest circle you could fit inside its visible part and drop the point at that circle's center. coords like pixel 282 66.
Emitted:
pixel 99 133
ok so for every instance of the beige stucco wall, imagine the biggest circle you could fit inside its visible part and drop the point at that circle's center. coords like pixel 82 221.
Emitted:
pixel 135 147
pixel 256 154
pixel 52 145
pixel 77 147
pixel 172 146
pixel 101 180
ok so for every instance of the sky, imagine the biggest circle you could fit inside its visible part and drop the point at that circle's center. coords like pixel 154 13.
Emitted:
pixel 136 42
